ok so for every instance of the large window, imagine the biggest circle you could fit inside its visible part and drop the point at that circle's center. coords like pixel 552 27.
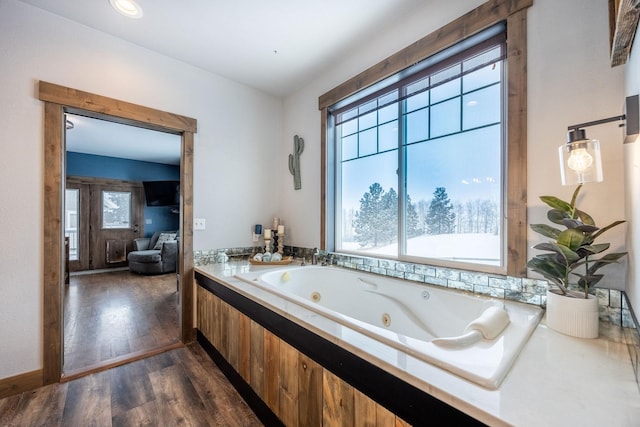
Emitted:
pixel 420 159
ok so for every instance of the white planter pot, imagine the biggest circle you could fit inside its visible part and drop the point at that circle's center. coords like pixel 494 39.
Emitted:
pixel 577 317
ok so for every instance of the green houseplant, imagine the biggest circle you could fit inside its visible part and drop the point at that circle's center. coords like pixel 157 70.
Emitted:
pixel 571 261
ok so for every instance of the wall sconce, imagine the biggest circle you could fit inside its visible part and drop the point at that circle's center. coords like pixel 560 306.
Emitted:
pixel 580 157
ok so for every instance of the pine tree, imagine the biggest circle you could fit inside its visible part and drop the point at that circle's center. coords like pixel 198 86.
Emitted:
pixel 389 217
pixel 412 219
pixel 441 216
pixel 376 222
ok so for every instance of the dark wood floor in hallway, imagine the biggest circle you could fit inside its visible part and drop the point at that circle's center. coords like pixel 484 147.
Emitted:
pixel 113 314
pixel 181 387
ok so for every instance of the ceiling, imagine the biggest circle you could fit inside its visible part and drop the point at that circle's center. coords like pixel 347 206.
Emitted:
pixel 277 46
pixel 104 138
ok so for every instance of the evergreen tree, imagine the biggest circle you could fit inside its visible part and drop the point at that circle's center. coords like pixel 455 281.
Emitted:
pixel 412 225
pixel 376 222
pixel 389 217
pixel 441 216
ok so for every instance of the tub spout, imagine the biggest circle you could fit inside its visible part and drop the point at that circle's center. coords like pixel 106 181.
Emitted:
pixel 314 257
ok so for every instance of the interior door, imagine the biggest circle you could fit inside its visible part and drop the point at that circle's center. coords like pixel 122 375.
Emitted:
pixel 116 214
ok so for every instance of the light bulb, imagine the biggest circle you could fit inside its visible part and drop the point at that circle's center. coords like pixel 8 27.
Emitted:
pixel 128 8
pixel 579 160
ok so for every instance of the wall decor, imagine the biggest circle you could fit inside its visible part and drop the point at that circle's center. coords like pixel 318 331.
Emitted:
pixel 294 161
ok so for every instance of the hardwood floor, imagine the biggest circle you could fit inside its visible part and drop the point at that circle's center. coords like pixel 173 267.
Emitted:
pixel 110 315
pixel 179 387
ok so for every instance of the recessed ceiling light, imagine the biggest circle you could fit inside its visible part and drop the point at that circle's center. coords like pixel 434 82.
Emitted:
pixel 128 8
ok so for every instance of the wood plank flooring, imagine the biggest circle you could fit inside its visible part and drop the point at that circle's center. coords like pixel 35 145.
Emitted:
pixel 113 314
pixel 179 387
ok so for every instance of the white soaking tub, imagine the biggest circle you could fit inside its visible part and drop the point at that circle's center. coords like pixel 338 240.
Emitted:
pixel 474 337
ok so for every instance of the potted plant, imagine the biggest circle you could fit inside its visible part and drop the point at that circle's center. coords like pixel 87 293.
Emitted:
pixel 571 262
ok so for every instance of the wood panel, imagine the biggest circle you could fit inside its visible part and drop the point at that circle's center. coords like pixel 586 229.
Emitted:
pixel 233 338
pixel 337 402
pixel 244 349
pixel 217 327
pixel 386 418
pixel 58 99
pixel 205 313
pixel 288 405
pixel 257 358
pixel 364 410
pixel 309 392
pixel 271 394
pixel 224 329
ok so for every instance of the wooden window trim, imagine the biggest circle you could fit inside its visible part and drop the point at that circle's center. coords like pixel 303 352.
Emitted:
pixel 484 16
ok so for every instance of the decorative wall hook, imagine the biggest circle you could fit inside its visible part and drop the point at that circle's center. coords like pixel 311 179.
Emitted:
pixel 294 161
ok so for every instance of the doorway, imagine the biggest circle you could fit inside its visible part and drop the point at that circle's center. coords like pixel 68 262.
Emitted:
pixel 59 100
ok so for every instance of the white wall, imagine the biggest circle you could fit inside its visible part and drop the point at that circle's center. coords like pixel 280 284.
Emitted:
pixel 237 130
pixel 632 181
pixel 570 82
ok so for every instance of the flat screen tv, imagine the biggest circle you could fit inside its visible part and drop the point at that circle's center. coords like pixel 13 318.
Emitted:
pixel 162 193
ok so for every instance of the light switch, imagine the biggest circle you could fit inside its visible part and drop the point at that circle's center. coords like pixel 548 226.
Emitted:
pixel 199 224
pixel 148 221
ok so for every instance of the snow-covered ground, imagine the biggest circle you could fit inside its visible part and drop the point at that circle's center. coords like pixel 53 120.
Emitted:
pixel 479 248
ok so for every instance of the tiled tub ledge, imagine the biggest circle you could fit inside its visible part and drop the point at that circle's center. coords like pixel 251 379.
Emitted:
pixel 551 383
pixel 614 307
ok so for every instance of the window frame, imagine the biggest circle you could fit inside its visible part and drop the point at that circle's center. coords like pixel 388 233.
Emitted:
pixel 513 12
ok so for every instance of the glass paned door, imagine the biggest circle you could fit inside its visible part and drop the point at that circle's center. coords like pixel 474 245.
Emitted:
pixel 71 223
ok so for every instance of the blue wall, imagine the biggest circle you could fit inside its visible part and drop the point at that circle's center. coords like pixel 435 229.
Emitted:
pixel 89 165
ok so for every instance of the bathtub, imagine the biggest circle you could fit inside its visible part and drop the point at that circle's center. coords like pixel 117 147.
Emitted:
pixel 429 323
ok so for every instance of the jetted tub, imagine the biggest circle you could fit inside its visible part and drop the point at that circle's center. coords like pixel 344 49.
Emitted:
pixel 474 337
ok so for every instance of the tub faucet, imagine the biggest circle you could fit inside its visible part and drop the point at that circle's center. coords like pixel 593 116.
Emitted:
pixel 314 257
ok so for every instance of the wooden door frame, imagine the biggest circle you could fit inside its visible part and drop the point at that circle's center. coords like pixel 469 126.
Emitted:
pixel 57 101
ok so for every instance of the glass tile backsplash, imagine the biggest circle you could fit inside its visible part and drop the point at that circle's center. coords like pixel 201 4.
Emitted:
pixel 613 305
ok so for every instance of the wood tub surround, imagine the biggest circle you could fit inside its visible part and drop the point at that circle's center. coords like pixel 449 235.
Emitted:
pixel 301 378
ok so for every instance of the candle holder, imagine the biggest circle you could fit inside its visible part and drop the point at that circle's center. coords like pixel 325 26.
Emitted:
pixel 281 244
pixel 267 245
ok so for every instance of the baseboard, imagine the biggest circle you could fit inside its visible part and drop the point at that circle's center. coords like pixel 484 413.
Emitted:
pixel 20 383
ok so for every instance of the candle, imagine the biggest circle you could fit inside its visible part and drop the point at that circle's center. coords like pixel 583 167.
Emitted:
pixel 267 233
pixel 281 229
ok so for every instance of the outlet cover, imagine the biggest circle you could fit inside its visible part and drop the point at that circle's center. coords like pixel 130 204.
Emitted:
pixel 148 221
pixel 199 224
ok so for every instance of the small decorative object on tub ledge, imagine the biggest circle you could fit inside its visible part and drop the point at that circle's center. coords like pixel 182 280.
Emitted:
pixel 221 257
pixel 272 261
pixel 571 308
